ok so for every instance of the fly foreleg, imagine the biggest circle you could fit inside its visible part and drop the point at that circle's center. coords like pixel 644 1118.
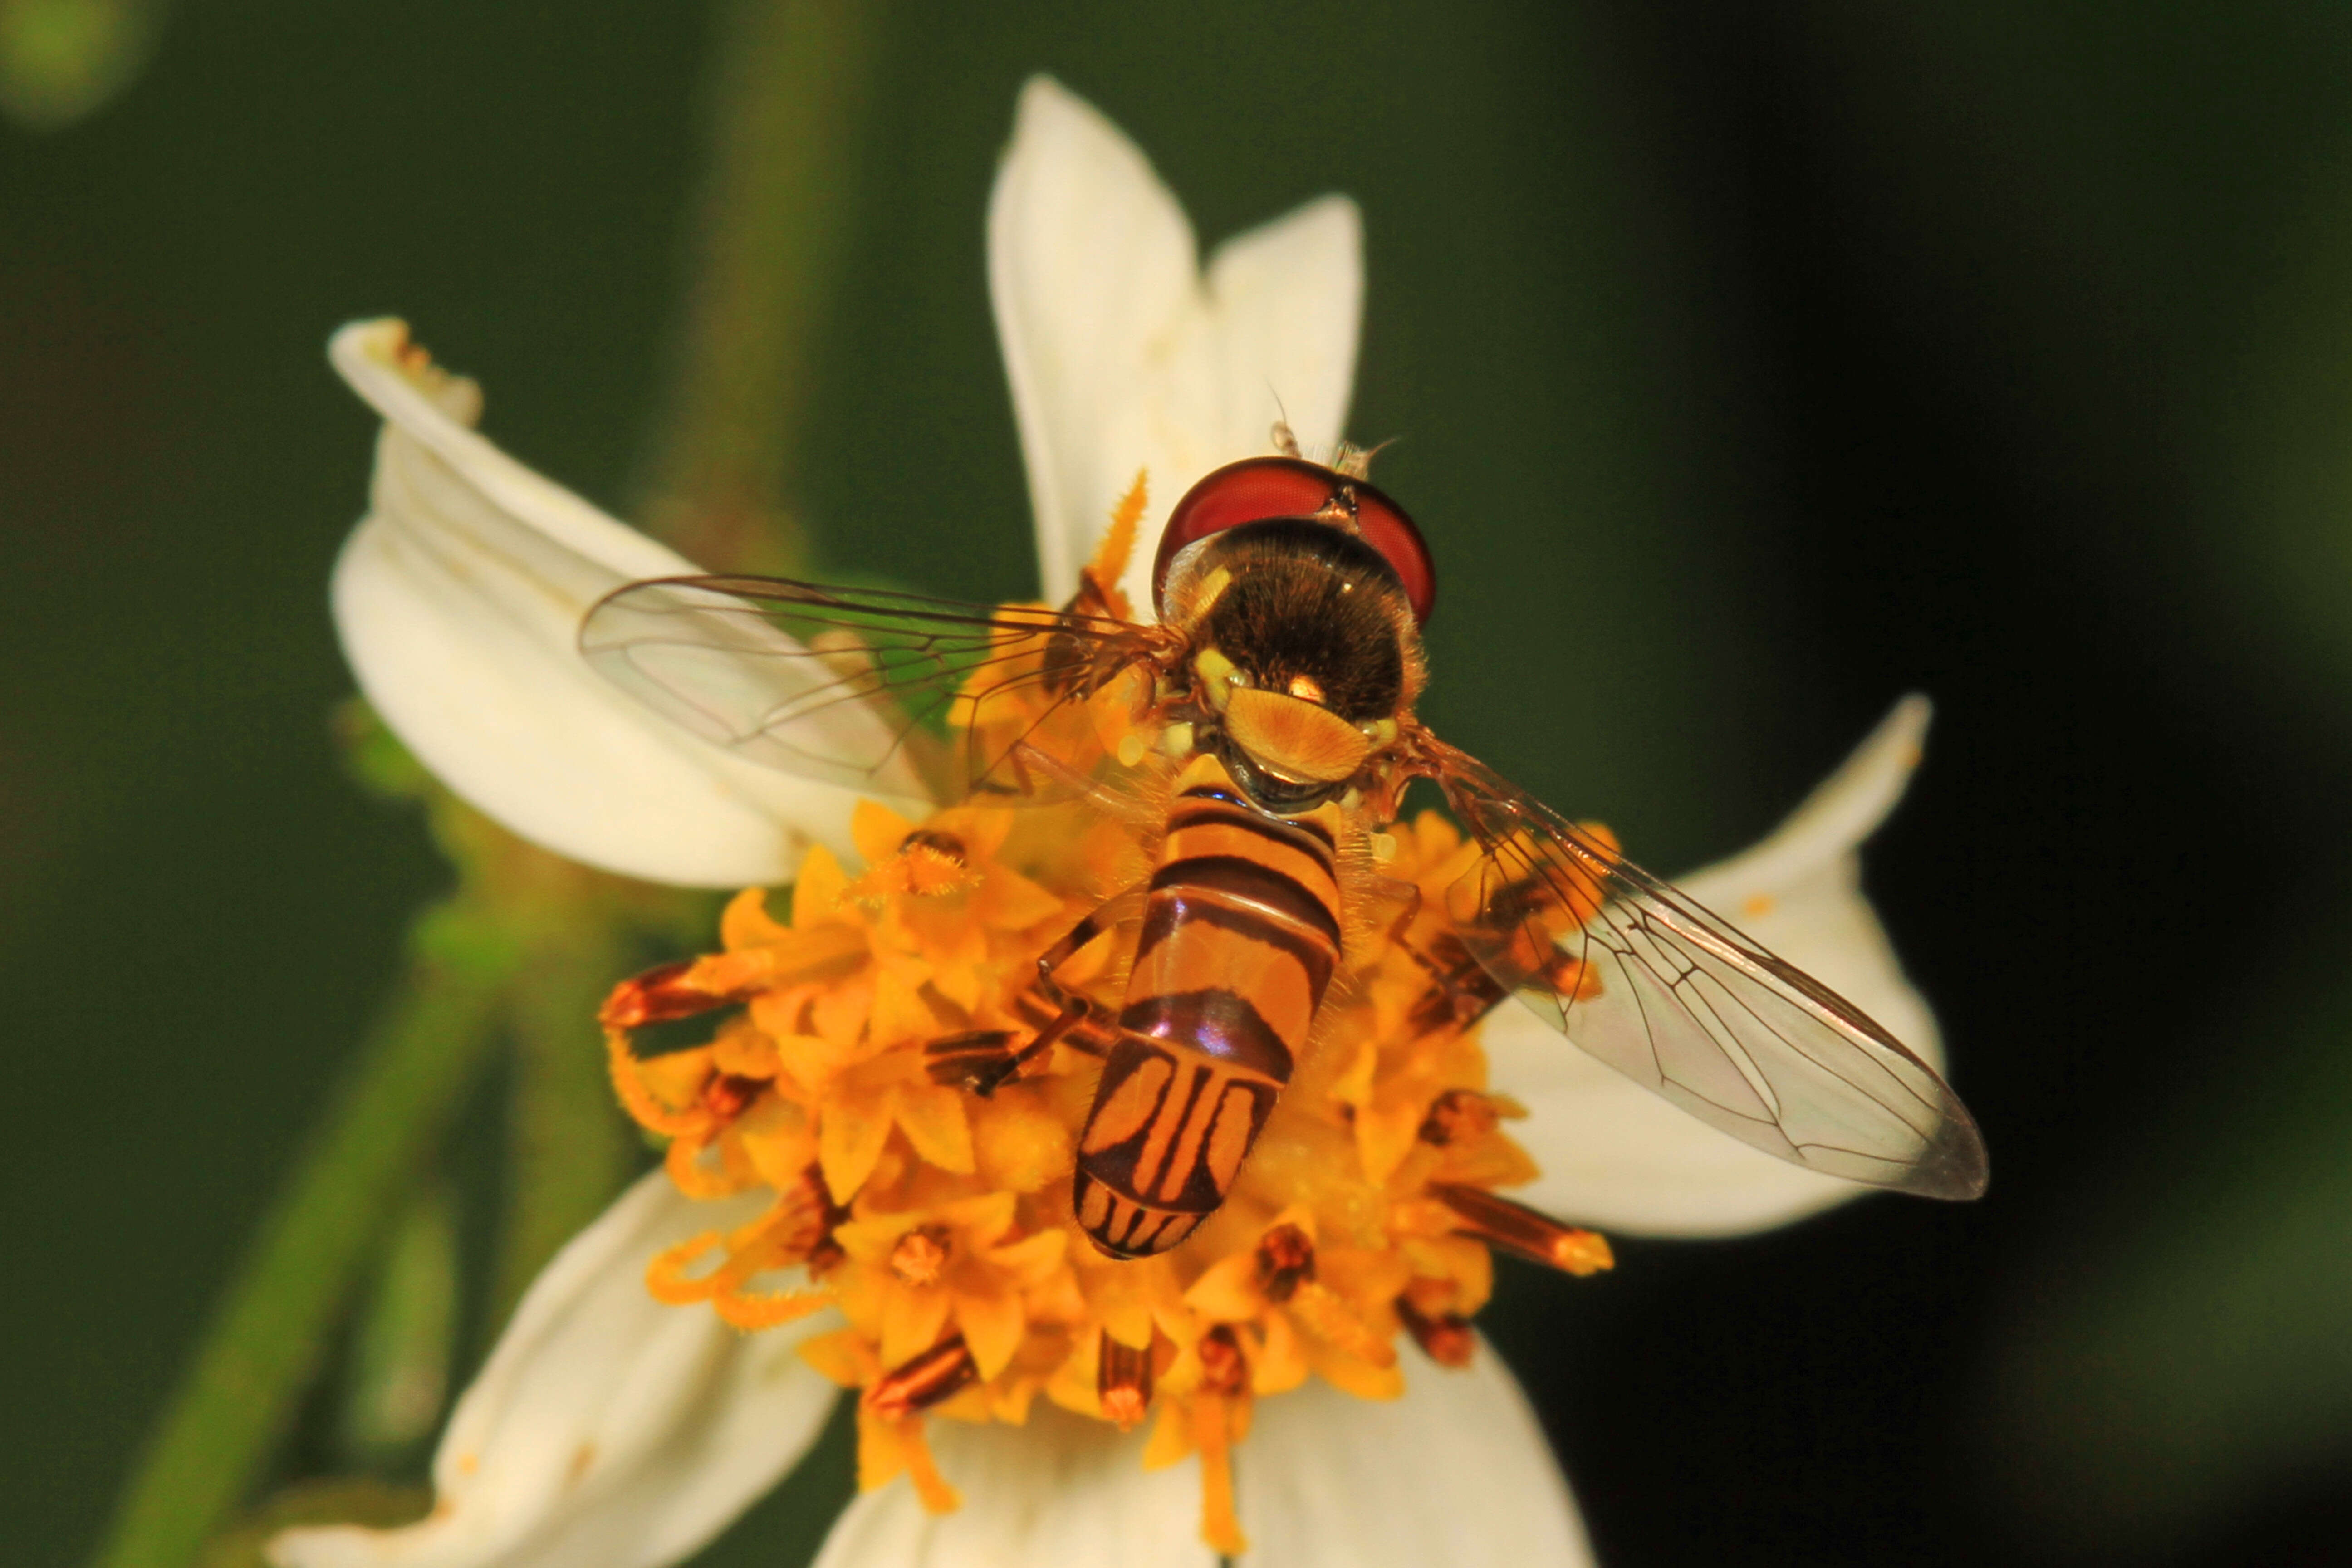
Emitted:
pixel 985 1060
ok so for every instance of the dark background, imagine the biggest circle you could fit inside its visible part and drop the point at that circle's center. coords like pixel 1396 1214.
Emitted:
pixel 1754 364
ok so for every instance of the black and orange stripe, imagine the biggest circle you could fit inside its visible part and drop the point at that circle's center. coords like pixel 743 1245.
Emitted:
pixel 1241 934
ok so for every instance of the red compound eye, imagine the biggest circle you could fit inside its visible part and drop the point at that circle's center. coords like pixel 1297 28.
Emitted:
pixel 1256 489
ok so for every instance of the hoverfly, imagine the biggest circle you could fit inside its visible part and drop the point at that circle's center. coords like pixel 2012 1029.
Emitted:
pixel 1270 711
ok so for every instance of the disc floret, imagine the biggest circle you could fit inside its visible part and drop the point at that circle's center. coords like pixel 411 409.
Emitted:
pixel 837 1078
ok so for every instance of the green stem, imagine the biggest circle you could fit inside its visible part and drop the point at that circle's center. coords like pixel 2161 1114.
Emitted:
pixel 791 88
pixel 265 1345
pixel 792 80
pixel 569 1147
pixel 404 1339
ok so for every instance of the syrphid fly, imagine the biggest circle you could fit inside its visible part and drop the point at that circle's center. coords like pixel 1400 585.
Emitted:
pixel 1263 728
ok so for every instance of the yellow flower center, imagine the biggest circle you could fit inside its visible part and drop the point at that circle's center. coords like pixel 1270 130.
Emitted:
pixel 878 1075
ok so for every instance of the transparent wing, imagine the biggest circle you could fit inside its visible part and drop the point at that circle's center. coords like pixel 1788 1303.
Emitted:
pixel 892 693
pixel 1674 997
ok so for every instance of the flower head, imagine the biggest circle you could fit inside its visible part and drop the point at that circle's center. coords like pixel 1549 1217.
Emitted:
pixel 939 1221
pixel 870 1146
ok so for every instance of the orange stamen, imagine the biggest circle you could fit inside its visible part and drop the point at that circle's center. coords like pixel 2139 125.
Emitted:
pixel 1123 1383
pixel 1224 1368
pixel 1285 1259
pixel 945 845
pixel 937 1374
pixel 1457 1116
pixel 658 996
pixel 1521 1231
pixel 726 1096
pixel 1445 1338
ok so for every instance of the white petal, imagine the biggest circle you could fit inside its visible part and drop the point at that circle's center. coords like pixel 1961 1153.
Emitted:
pixel 1123 357
pixel 607 1429
pixel 1059 1490
pixel 1616 1156
pixel 1456 1471
pixel 458 599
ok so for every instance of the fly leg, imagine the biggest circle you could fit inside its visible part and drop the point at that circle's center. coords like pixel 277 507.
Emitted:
pixel 983 1060
pixel 1460 991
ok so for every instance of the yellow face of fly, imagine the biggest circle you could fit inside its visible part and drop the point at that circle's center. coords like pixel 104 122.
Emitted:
pixel 1300 740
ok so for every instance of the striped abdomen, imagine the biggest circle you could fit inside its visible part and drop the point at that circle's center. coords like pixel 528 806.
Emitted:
pixel 1241 933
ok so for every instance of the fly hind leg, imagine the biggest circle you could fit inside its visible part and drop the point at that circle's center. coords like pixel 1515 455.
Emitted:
pixel 985 1060
pixel 1459 990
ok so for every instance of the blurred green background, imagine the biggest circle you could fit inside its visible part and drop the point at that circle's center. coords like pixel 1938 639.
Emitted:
pixel 1754 363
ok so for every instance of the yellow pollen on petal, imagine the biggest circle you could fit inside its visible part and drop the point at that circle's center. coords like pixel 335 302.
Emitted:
pixel 882 1054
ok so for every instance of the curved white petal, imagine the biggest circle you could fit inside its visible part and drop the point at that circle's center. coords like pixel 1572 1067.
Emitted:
pixel 458 599
pixel 1616 1156
pixel 607 1429
pixel 1122 356
pixel 1060 1490
pixel 1456 1471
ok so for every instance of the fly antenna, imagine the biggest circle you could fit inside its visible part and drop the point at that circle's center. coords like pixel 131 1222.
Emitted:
pixel 1285 440
pixel 1356 462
